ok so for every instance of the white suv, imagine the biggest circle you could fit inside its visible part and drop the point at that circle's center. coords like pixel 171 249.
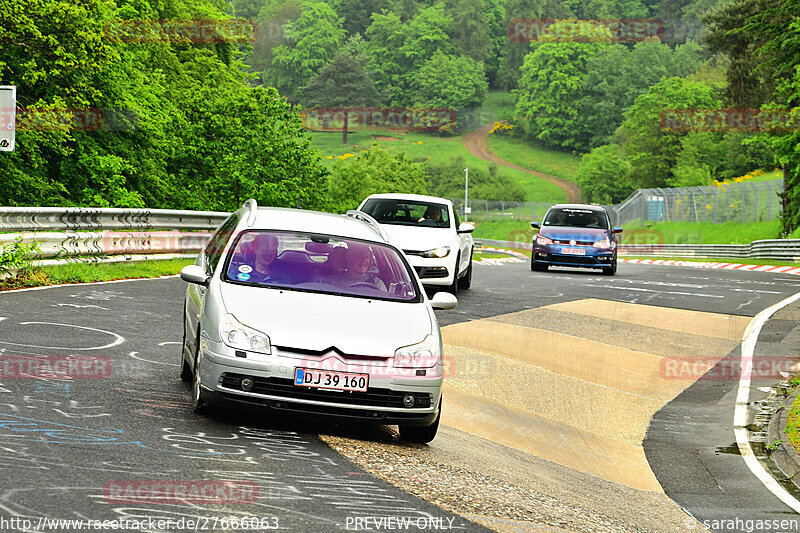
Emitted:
pixel 428 229
pixel 309 312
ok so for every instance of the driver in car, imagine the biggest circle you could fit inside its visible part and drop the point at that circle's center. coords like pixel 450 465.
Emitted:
pixel 432 213
pixel 356 264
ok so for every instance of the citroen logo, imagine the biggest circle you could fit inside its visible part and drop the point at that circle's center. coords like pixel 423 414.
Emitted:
pixel 572 242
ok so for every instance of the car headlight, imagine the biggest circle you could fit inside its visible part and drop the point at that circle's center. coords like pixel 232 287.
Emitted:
pixel 542 240
pixel 604 244
pixel 441 251
pixel 425 354
pixel 239 336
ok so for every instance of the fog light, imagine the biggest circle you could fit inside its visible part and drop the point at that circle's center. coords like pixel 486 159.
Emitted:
pixel 408 400
pixel 247 384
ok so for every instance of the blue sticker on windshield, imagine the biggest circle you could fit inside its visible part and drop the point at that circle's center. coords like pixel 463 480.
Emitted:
pixel 242 276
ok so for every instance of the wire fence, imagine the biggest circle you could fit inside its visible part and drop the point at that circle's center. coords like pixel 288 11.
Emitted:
pixel 728 202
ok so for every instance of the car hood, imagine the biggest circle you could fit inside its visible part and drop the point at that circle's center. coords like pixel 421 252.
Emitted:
pixel 564 233
pixel 313 321
pixel 418 238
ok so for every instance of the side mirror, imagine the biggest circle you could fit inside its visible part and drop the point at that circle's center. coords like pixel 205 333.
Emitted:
pixel 535 225
pixel 616 229
pixel 444 301
pixel 466 227
pixel 195 274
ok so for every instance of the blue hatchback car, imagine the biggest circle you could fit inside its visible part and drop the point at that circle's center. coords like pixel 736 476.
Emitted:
pixel 575 235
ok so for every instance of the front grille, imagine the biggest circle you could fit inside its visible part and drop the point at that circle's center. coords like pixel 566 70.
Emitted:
pixel 431 272
pixel 573 259
pixel 285 388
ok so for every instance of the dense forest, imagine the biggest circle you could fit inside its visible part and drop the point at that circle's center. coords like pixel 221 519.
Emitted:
pixel 204 123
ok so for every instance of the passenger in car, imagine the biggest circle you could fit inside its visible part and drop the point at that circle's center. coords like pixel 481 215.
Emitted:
pixel 266 250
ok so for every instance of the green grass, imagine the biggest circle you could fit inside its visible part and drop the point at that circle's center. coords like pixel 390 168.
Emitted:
pixel 89 272
pixel 493 107
pixel 661 233
pixel 503 230
pixel 702 232
pixel 421 147
pixel 520 152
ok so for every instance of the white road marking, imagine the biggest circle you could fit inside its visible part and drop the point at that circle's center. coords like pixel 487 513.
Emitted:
pixel 742 397
pixel 118 339
pixel 133 354
pixel 658 292
pixel 169 342
pixel 79 306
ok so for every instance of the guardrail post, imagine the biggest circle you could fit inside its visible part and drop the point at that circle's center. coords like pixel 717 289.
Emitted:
pixel 742 187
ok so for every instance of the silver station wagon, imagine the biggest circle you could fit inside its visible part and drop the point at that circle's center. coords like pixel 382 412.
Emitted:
pixel 306 312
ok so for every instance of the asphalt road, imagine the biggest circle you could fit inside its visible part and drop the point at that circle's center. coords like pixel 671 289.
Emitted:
pixel 64 446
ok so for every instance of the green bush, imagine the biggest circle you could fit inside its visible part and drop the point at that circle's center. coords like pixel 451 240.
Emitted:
pixel 17 256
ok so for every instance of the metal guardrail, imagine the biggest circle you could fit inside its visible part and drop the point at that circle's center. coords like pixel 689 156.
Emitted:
pixel 776 249
pixel 94 235
pixel 95 243
pixel 80 218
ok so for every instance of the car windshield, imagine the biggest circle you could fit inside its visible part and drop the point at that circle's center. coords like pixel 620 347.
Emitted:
pixel 320 263
pixel 407 212
pixel 576 218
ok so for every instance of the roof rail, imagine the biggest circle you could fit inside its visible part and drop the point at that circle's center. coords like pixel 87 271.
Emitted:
pixel 253 207
pixel 360 215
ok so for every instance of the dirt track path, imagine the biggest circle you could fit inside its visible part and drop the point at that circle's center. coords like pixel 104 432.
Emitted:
pixel 475 142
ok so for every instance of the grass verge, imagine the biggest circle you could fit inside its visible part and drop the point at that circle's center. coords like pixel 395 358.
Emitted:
pixel 89 272
pixel 523 153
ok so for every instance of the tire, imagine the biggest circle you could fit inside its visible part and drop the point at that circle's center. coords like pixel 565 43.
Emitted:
pixel 466 281
pixel 610 271
pixel 199 404
pixel 453 287
pixel 421 434
pixel 538 267
pixel 186 369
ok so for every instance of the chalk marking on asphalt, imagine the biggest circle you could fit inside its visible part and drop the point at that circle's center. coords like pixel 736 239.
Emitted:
pixel 133 354
pixel 117 341
pixel 742 397
pixel 79 306
pixel 88 283
pixel 168 342
pixel 659 292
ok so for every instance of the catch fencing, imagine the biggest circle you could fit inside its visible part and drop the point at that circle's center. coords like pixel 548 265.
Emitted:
pixel 745 201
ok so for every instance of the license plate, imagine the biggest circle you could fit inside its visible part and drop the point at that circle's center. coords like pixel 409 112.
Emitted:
pixel 324 379
pixel 573 251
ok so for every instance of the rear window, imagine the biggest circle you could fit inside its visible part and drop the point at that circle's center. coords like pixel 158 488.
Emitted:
pixel 576 218
pixel 321 263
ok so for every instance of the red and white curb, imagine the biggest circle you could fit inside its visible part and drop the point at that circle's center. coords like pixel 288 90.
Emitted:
pixel 513 257
pixel 726 266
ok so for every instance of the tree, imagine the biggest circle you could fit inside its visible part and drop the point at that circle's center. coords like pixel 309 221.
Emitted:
pixel 470 29
pixel 358 13
pixel 451 82
pixel 341 83
pixel 446 179
pixel 315 37
pixel 551 88
pixel 374 170
pixel 514 51
pixel 395 51
pixel 603 175
pixel 652 150
pixel 618 74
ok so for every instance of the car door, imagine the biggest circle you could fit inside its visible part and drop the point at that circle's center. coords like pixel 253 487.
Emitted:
pixel 464 242
pixel 208 259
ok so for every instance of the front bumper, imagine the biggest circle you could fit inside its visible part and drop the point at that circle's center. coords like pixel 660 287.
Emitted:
pixel 221 375
pixel 552 255
pixel 434 271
